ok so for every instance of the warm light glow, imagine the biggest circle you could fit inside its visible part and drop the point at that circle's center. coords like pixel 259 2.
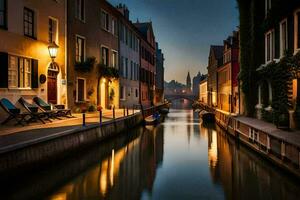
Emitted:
pixel 103 177
pixel 213 150
pixel 112 168
pixel 53 48
pixel 104 80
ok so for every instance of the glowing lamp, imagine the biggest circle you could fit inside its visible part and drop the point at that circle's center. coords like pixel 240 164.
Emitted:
pixel 53 48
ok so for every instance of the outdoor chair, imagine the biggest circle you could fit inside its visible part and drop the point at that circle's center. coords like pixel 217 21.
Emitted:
pixel 13 112
pixel 34 111
pixel 59 112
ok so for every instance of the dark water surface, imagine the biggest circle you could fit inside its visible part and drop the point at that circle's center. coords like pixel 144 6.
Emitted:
pixel 179 159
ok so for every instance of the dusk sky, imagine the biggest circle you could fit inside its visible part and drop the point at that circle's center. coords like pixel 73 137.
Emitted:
pixel 185 30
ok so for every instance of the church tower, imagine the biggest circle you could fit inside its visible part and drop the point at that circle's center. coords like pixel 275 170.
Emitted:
pixel 188 83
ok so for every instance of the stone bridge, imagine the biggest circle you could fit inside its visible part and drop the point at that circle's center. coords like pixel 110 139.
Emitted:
pixel 189 97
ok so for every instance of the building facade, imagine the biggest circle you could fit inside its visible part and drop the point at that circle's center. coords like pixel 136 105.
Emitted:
pixel 147 68
pixel 92 54
pixel 27 28
pixel 215 60
pixel 203 91
pixel 228 91
pixel 129 54
pixel 196 82
pixel 159 78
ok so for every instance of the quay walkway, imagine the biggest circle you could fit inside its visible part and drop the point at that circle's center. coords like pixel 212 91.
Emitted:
pixel 13 136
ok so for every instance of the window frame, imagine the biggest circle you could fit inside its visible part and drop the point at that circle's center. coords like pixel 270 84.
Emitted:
pixel 24 73
pixel 4 12
pixel 105 26
pixel 270 49
pixel 80 10
pixel 283 50
pixel 84 87
pixel 56 33
pixel 268 6
pixel 106 57
pixel 114 62
pixel 123 93
pixel 83 49
pixel 32 23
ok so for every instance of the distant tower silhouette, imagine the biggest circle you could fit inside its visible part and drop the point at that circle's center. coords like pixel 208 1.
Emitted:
pixel 188 83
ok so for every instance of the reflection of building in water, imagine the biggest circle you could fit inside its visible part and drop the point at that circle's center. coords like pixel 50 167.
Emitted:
pixel 244 175
pixel 124 174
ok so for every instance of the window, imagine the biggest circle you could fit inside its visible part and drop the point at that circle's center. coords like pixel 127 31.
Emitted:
pixel 80 49
pixel 297 30
pixel 114 59
pixel 268 5
pixel 104 20
pixel 131 70
pixel 104 56
pixel 53 31
pixel 283 38
pixel 114 27
pixel 28 22
pixel 3 13
pixel 80 9
pixel 19 72
pixel 136 93
pixel 123 93
pixel 126 67
pixel 269 46
pixel 81 88
pixel 126 35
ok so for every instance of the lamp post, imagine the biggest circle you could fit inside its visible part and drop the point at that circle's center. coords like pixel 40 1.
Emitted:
pixel 53 48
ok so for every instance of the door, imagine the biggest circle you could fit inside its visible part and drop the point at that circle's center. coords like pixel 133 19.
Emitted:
pixel 52 89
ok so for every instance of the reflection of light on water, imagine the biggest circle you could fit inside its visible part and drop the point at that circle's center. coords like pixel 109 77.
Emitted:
pixel 60 196
pixel 110 167
pixel 103 177
pixel 213 150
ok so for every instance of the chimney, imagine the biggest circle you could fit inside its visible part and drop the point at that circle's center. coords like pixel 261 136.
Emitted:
pixel 124 10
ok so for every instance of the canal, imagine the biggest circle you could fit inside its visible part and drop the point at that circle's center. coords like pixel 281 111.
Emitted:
pixel 179 159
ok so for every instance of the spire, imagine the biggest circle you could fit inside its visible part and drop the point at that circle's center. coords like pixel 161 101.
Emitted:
pixel 188 81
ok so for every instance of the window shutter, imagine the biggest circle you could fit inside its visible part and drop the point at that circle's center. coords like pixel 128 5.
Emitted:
pixel 4 70
pixel 34 73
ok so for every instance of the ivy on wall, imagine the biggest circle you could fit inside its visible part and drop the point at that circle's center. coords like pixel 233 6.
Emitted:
pixel 280 74
pixel 252 49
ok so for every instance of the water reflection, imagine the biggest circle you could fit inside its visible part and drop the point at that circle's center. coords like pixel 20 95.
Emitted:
pixel 124 174
pixel 179 159
pixel 244 175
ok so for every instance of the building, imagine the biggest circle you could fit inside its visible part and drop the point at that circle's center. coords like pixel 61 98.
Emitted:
pixel 273 93
pixel 27 29
pixel 92 54
pixel 196 82
pixel 147 67
pixel 159 78
pixel 228 91
pixel 203 91
pixel 215 60
pixel 129 53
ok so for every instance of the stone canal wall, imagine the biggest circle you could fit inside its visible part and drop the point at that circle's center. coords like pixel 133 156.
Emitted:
pixel 33 153
pixel 280 147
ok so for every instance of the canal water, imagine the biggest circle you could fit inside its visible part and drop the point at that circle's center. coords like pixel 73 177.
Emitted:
pixel 179 159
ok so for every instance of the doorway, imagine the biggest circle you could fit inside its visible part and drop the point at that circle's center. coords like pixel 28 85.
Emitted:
pixel 53 71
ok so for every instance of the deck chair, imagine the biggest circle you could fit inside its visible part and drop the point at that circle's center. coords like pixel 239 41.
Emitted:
pixel 13 112
pixel 34 111
pixel 47 107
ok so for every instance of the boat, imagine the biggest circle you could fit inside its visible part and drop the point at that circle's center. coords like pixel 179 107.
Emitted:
pixel 164 111
pixel 153 119
pixel 207 116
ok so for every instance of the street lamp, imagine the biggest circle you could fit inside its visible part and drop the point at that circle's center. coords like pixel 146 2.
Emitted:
pixel 53 48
